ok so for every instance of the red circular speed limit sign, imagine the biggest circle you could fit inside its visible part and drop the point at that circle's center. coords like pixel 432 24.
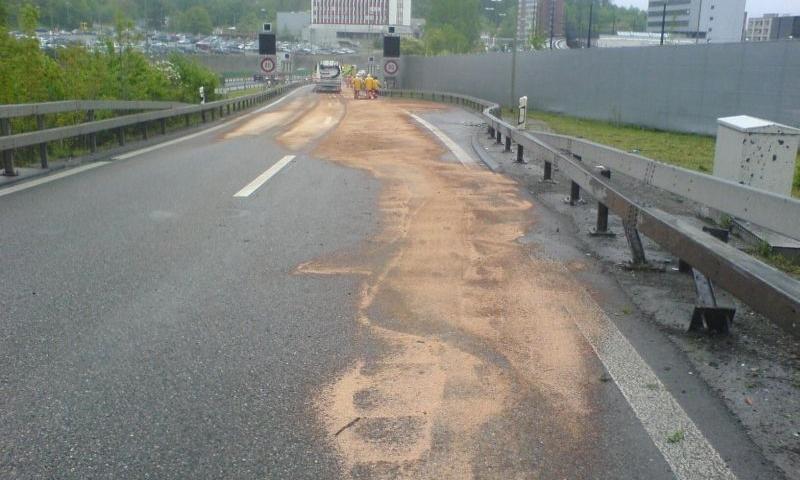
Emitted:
pixel 390 67
pixel 267 65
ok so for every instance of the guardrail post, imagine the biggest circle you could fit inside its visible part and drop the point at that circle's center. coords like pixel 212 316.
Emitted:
pixel 548 172
pixel 187 119
pixel 42 146
pixel 508 144
pixel 144 131
pixel 498 137
pixel 574 194
pixel 633 238
pixel 520 153
pixel 163 125
pixel 8 155
pixel 601 229
pixel 213 114
pixel 121 136
pixel 92 136
pixel 491 131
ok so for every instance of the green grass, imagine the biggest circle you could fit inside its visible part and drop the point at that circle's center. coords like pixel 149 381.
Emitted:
pixel 695 152
pixel 242 93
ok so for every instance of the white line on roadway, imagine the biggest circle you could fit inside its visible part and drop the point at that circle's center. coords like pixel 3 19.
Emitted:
pixel 459 152
pixel 262 179
pixel 50 178
pixel 203 132
pixel 686 450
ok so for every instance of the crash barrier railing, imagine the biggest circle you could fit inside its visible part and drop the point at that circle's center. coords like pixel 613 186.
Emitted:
pixel 159 113
pixel 588 166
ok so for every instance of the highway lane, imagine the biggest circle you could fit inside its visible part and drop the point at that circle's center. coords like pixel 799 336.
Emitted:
pixel 150 325
pixel 321 290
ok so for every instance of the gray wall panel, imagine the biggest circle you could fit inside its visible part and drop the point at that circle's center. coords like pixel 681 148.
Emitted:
pixel 683 88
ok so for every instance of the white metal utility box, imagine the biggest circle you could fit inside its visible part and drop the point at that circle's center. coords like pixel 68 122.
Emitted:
pixel 756 152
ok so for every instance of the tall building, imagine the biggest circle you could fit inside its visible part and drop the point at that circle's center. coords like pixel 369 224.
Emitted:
pixel 773 27
pixel 550 14
pixel 526 20
pixel 361 12
pixel 537 17
pixel 714 21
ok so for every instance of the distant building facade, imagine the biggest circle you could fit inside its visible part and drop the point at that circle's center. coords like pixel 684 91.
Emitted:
pixel 550 14
pixel 539 17
pixel 714 21
pixel 338 19
pixel 773 27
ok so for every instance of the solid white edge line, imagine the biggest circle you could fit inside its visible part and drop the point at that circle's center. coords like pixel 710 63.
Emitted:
pixel 459 152
pixel 684 447
pixel 260 180
pixel 49 178
pixel 205 131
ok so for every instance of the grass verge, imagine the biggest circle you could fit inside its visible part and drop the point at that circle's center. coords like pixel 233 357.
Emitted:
pixel 695 152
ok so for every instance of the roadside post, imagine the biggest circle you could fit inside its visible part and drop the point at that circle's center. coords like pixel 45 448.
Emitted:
pixel 522 121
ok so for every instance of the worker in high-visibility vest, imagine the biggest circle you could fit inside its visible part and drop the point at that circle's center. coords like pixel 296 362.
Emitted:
pixel 376 86
pixel 369 84
pixel 356 87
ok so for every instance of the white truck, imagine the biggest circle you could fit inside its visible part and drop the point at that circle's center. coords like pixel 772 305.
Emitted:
pixel 328 76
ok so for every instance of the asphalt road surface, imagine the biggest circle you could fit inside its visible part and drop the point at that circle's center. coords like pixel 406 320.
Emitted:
pixel 327 288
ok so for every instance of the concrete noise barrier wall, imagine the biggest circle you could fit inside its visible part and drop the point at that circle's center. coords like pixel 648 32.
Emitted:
pixel 680 88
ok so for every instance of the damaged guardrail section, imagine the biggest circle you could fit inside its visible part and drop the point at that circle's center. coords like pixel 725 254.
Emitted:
pixel 156 114
pixel 762 287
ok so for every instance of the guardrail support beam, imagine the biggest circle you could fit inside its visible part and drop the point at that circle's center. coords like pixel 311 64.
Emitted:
pixel 92 137
pixel 574 194
pixel 42 146
pixel 601 228
pixel 8 155
pixel 520 153
pixel 548 172
pixel 498 137
pixel 638 257
pixel 508 144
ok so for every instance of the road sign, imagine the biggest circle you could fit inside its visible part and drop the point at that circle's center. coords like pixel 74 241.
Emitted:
pixel 391 67
pixel 268 65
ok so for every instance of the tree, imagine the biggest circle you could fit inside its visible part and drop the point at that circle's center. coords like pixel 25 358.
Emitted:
pixel 195 20
pixel 453 26
pixel 28 19
pixel 537 42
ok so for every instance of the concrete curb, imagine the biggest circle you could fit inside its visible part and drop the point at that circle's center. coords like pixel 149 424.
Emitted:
pixel 484 155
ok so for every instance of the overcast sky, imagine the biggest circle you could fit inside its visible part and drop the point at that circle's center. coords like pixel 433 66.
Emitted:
pixel 755 8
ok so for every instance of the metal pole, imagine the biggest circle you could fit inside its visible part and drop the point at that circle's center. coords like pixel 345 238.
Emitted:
pixel 513 73
pixel 42 146
pixel 699 16
pixel 591 14
pixel 8 155
pixel 552 22
pixel 663 23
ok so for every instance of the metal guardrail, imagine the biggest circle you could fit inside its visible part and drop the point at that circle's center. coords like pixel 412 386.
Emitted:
pixel 161 112
pixel 30 109
pixel 764 288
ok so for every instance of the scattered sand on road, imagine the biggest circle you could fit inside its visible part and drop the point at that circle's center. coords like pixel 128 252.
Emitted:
pixel 281 116
pixel 325 115
pixel 473 321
